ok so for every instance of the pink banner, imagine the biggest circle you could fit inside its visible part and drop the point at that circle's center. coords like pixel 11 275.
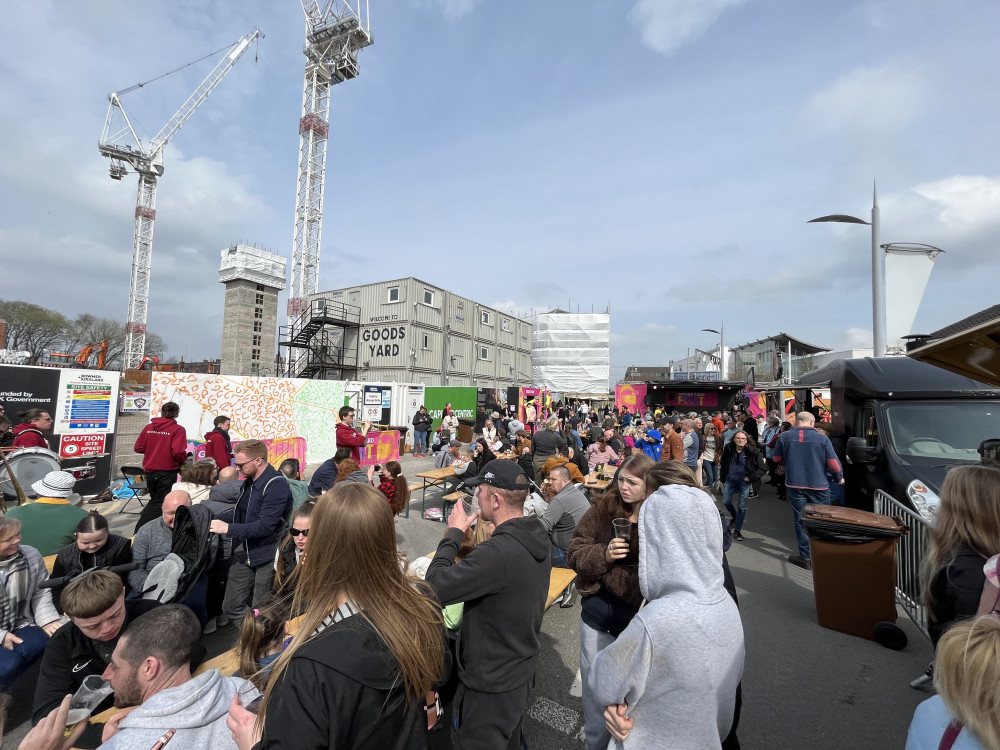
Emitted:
pixel 757 403
pixel 278 449
pixel 631 395
pixel 380 447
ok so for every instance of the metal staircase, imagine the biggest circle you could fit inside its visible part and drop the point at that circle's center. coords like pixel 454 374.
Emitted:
pixel 322 336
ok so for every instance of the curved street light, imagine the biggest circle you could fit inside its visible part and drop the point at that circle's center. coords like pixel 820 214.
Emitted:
pixel 878 271
pixel 722 349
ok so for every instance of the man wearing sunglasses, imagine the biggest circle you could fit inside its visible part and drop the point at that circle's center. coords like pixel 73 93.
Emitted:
pixel 254 526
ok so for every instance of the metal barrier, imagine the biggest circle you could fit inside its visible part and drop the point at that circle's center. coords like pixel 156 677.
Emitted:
pixel 909 554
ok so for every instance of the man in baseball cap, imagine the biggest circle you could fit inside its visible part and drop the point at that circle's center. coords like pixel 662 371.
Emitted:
pixel 48 523
pixel 504 582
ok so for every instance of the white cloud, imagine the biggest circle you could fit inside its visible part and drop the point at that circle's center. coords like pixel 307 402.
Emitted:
pixel 880 99
pixel 855 338
pixel 964 202
pixel 666 25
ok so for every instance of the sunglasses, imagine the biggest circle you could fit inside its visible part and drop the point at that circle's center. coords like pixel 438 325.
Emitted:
pixel 296 532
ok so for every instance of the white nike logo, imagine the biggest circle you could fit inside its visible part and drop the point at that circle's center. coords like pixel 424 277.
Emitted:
pixel 78 667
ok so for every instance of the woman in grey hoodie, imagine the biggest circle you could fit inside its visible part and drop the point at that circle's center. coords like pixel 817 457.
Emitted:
pixel 680 659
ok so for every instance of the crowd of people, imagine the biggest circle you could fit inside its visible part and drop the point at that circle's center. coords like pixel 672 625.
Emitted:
pixel 333 653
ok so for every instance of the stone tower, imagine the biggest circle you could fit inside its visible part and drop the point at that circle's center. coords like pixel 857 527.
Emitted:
pixel 252 277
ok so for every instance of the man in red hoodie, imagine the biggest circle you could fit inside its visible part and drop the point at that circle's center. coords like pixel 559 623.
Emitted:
pixel 163 444
pixel 217 444
pixel 347 437
pixel 28 434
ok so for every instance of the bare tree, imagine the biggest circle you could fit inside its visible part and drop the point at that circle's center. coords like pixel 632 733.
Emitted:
pixel 88 330
pixel 32 328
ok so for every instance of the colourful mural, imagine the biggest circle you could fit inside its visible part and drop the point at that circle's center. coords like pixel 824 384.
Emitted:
pixel 260 408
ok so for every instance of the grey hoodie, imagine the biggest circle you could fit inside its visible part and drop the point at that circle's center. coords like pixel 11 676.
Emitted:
pixel 679 661
pixel 197 710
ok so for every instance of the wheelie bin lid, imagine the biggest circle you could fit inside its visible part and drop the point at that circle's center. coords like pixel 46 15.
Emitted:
pixel 834 523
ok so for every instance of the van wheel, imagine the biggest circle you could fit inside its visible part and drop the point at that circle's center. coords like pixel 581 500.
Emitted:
pixel 891 636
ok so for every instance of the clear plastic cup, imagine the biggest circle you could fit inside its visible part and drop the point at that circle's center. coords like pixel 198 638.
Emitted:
pixel 623 529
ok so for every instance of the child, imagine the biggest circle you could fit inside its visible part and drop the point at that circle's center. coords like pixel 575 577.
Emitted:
pixel 263 636
pixel 394 486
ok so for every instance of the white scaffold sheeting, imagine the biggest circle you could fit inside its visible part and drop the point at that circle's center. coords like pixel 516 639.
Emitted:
pixel 570 352
pixel 253 264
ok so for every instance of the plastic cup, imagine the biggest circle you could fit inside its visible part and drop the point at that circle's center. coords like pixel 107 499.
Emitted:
pixel 623 529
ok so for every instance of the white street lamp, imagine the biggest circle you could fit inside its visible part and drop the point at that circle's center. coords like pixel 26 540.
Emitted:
pixel 878 272
pixel 722 348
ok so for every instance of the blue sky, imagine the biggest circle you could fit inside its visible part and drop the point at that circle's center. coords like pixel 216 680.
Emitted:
pixel 662 156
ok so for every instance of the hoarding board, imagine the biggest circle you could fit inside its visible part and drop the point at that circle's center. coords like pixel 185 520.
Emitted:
pixel 462 400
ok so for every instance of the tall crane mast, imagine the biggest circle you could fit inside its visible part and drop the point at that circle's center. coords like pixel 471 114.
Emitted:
pixel 335 33
pixel 125 150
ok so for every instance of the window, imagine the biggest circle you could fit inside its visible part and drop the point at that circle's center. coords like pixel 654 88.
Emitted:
pixel 260 287
pixel 428 297
pixel 256 340
pixel 258 326
pixel 260 299
pixel 484 352
pixel 255 354
pixel 394 294
pixel 485 317
pixel 258 312
pixel 505 325
pixel 427 341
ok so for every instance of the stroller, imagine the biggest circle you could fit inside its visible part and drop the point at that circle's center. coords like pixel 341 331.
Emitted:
pixel 192 550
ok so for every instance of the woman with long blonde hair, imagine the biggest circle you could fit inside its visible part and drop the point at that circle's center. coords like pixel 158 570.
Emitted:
pixel 966 534
pixel 369 646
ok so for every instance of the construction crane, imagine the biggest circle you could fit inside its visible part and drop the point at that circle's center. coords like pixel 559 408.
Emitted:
pixel 335 31
pixel 125 150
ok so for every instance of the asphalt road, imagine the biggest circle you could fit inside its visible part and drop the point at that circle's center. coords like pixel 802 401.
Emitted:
pixel 803 685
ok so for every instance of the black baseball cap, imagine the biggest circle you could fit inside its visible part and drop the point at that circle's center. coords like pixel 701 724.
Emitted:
pixel 502 474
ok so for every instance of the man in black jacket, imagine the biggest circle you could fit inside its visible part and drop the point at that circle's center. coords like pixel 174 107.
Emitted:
pixel 255 526
pixel 98 612
pixel 504 582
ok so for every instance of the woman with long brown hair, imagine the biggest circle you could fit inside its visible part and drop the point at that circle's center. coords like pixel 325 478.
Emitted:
pixel 369 645
pixel 607 575
pixel 966 534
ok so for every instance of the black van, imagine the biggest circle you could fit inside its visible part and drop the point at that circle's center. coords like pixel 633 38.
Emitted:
pixel 905 424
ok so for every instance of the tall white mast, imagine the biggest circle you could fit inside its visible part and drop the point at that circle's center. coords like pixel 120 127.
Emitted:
pixel 334 34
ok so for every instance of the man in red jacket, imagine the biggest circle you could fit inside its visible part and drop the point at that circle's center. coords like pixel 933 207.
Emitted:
pixel 347 437
pixel 217 444
pixel 163 444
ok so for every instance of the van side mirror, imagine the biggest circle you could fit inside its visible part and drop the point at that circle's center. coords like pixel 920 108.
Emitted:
pixel 859 452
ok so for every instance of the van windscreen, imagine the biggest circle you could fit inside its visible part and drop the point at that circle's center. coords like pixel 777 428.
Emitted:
pixel 942 430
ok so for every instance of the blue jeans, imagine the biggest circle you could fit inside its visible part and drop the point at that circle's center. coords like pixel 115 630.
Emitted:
pixel 836 493
pixel 799 499
pixel 559 559
pixel 743 488
pixel 420 441
pixel 711 472
pixel 14 663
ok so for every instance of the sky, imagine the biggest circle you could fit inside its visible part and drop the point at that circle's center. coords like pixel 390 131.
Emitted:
pixel 661 157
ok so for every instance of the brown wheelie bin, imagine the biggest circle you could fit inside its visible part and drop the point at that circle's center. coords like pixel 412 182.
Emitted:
pixel 854 571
